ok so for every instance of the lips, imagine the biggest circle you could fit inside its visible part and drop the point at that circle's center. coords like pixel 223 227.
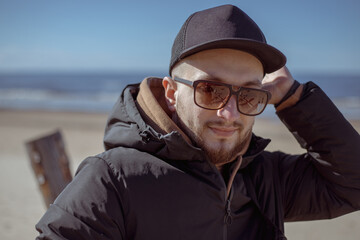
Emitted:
pixel 223 131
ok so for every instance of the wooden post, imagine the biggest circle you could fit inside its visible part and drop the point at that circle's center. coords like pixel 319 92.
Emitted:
pixel 50 164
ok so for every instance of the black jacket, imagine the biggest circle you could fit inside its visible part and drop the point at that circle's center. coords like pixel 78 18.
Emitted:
pixel 148 185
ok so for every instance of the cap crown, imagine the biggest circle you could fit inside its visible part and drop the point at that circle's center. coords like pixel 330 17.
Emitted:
pixel 224 27
pixel 221 23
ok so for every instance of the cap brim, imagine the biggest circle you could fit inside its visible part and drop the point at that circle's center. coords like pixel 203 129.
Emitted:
pixel 271 58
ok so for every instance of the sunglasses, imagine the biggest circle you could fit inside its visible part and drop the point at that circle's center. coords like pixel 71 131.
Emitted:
pixel 215 95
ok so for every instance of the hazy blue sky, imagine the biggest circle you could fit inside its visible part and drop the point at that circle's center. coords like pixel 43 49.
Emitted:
pixel 50 35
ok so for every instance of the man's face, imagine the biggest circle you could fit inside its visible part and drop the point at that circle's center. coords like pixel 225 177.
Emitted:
pixel 225 133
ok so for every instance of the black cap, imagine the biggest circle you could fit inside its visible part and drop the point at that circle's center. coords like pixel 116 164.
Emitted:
pixel 224 27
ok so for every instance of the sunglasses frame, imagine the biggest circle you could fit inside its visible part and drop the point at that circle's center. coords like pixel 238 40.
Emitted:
pixel 232 92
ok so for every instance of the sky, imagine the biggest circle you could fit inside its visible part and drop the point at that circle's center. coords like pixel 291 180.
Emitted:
pixel 117 36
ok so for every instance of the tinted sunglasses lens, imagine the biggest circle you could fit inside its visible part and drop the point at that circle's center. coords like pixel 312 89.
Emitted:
pixel 252 101
pixel 211 95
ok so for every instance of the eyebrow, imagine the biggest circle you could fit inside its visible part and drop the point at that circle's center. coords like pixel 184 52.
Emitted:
pixel 254 82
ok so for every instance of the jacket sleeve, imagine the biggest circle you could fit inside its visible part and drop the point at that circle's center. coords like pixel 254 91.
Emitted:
pixel 88 208
pixel 325 182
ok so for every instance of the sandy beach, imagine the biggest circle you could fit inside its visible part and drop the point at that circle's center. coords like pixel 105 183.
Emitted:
pixel 21 204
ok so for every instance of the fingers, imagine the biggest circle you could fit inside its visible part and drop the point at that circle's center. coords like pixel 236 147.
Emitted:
pixel 278 84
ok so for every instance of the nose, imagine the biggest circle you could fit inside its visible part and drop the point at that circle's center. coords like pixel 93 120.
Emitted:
pixel 229 112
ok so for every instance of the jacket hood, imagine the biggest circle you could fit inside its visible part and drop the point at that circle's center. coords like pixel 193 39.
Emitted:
pixel 127 127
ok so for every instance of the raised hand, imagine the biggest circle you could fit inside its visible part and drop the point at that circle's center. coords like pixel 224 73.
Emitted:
pixel 278 84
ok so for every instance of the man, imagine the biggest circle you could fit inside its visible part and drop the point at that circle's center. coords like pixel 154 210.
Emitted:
pixel 181 161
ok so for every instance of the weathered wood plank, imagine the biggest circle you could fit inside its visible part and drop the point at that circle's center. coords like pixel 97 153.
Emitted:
pixel 50 164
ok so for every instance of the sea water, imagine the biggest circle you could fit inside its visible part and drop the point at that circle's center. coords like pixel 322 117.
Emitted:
pixel 97 92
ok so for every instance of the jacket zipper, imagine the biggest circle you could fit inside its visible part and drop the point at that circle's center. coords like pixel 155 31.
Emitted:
pixel 227 217
pixel 228 197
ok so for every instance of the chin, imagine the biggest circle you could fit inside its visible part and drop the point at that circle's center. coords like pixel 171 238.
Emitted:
pixel 223 141
pixel 223 150
pixel 220 145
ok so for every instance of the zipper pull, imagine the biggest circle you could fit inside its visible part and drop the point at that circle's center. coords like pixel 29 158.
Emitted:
pixel 228 218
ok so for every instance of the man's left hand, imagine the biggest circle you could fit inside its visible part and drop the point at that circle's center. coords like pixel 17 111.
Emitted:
pixel 278 84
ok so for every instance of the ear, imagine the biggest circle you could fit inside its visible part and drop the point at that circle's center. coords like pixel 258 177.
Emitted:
pixel 170 93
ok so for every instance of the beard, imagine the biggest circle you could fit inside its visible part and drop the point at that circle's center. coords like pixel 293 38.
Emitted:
pixel 222 151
